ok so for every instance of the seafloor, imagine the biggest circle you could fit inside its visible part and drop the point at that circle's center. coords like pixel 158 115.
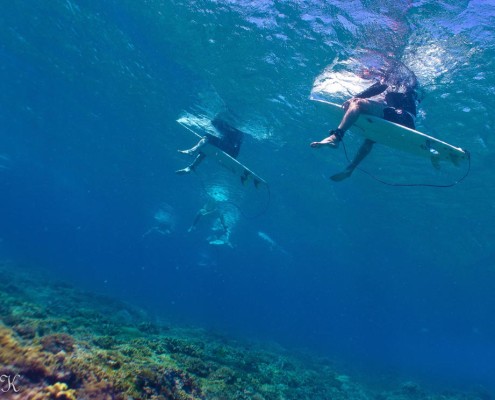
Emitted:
pixel 58 342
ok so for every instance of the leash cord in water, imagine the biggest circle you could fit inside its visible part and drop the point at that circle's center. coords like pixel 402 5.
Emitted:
pixel 412 184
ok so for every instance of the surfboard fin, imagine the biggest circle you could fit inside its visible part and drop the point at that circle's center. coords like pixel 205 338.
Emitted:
pixel 435 161
pixel 244 177
pixel 455 159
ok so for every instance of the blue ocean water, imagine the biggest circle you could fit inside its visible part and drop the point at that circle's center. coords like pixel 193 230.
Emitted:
pixel 385 279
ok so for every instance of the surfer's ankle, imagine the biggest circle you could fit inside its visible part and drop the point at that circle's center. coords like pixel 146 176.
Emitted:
pixel 338 133
pixel 184 171
pixel 188 152
pixel 334 138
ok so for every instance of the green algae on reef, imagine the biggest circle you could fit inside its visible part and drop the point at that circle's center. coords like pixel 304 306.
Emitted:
pixel 62 343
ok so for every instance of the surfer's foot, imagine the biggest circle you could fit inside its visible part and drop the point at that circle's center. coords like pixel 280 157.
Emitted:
pixel 188 152
pixel 342 175
pixel 331 141
pixel 183 171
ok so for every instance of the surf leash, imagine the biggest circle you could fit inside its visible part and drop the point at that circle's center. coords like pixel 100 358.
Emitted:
pixel 396 184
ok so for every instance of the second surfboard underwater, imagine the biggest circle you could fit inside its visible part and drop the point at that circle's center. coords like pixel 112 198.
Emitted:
pixel 199 127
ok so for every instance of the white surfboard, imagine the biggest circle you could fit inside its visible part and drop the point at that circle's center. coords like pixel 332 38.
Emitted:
pixel 197 128
pixel 400 137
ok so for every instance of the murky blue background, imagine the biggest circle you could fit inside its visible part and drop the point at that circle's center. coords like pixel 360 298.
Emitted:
pixel 382 278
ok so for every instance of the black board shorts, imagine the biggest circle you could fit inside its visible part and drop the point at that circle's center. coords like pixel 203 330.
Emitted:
pixel 400 117
pixel 229 139
pixel 225 144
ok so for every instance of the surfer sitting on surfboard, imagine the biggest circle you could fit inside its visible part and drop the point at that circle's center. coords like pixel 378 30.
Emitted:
pixel 392 97
pixel 226 138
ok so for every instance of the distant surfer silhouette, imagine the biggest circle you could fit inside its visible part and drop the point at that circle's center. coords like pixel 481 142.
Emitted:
pixel 226 138
pixel 222 220
pixel 392 97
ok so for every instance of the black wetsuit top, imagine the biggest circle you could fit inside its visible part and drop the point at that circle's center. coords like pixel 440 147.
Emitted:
pixel 400 101
pixel 229 138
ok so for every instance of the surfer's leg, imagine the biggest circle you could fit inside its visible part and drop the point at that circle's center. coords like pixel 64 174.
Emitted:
pixel 354 108
pixel 195 149
pixel 357 107
pixel 193 165
pixel 363 151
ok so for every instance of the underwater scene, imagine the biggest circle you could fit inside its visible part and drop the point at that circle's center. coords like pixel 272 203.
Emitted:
pixel 231 199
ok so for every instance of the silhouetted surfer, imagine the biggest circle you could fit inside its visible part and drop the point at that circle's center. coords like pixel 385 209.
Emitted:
pixel 391 97
pixel 226 138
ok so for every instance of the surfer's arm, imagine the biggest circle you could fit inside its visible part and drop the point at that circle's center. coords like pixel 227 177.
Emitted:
pixel 373 90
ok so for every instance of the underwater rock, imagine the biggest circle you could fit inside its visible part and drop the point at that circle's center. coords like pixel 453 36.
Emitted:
pixel 410 388
pixel 105 342
pixel 57 342
pixel 178 383
pixel 225 374
pixel 148 327
pixel 73 356
pixel 25 331
pixel 59 391
pixel 175 345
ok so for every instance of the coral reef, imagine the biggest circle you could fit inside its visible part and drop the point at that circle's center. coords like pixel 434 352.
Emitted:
pixel 60 343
